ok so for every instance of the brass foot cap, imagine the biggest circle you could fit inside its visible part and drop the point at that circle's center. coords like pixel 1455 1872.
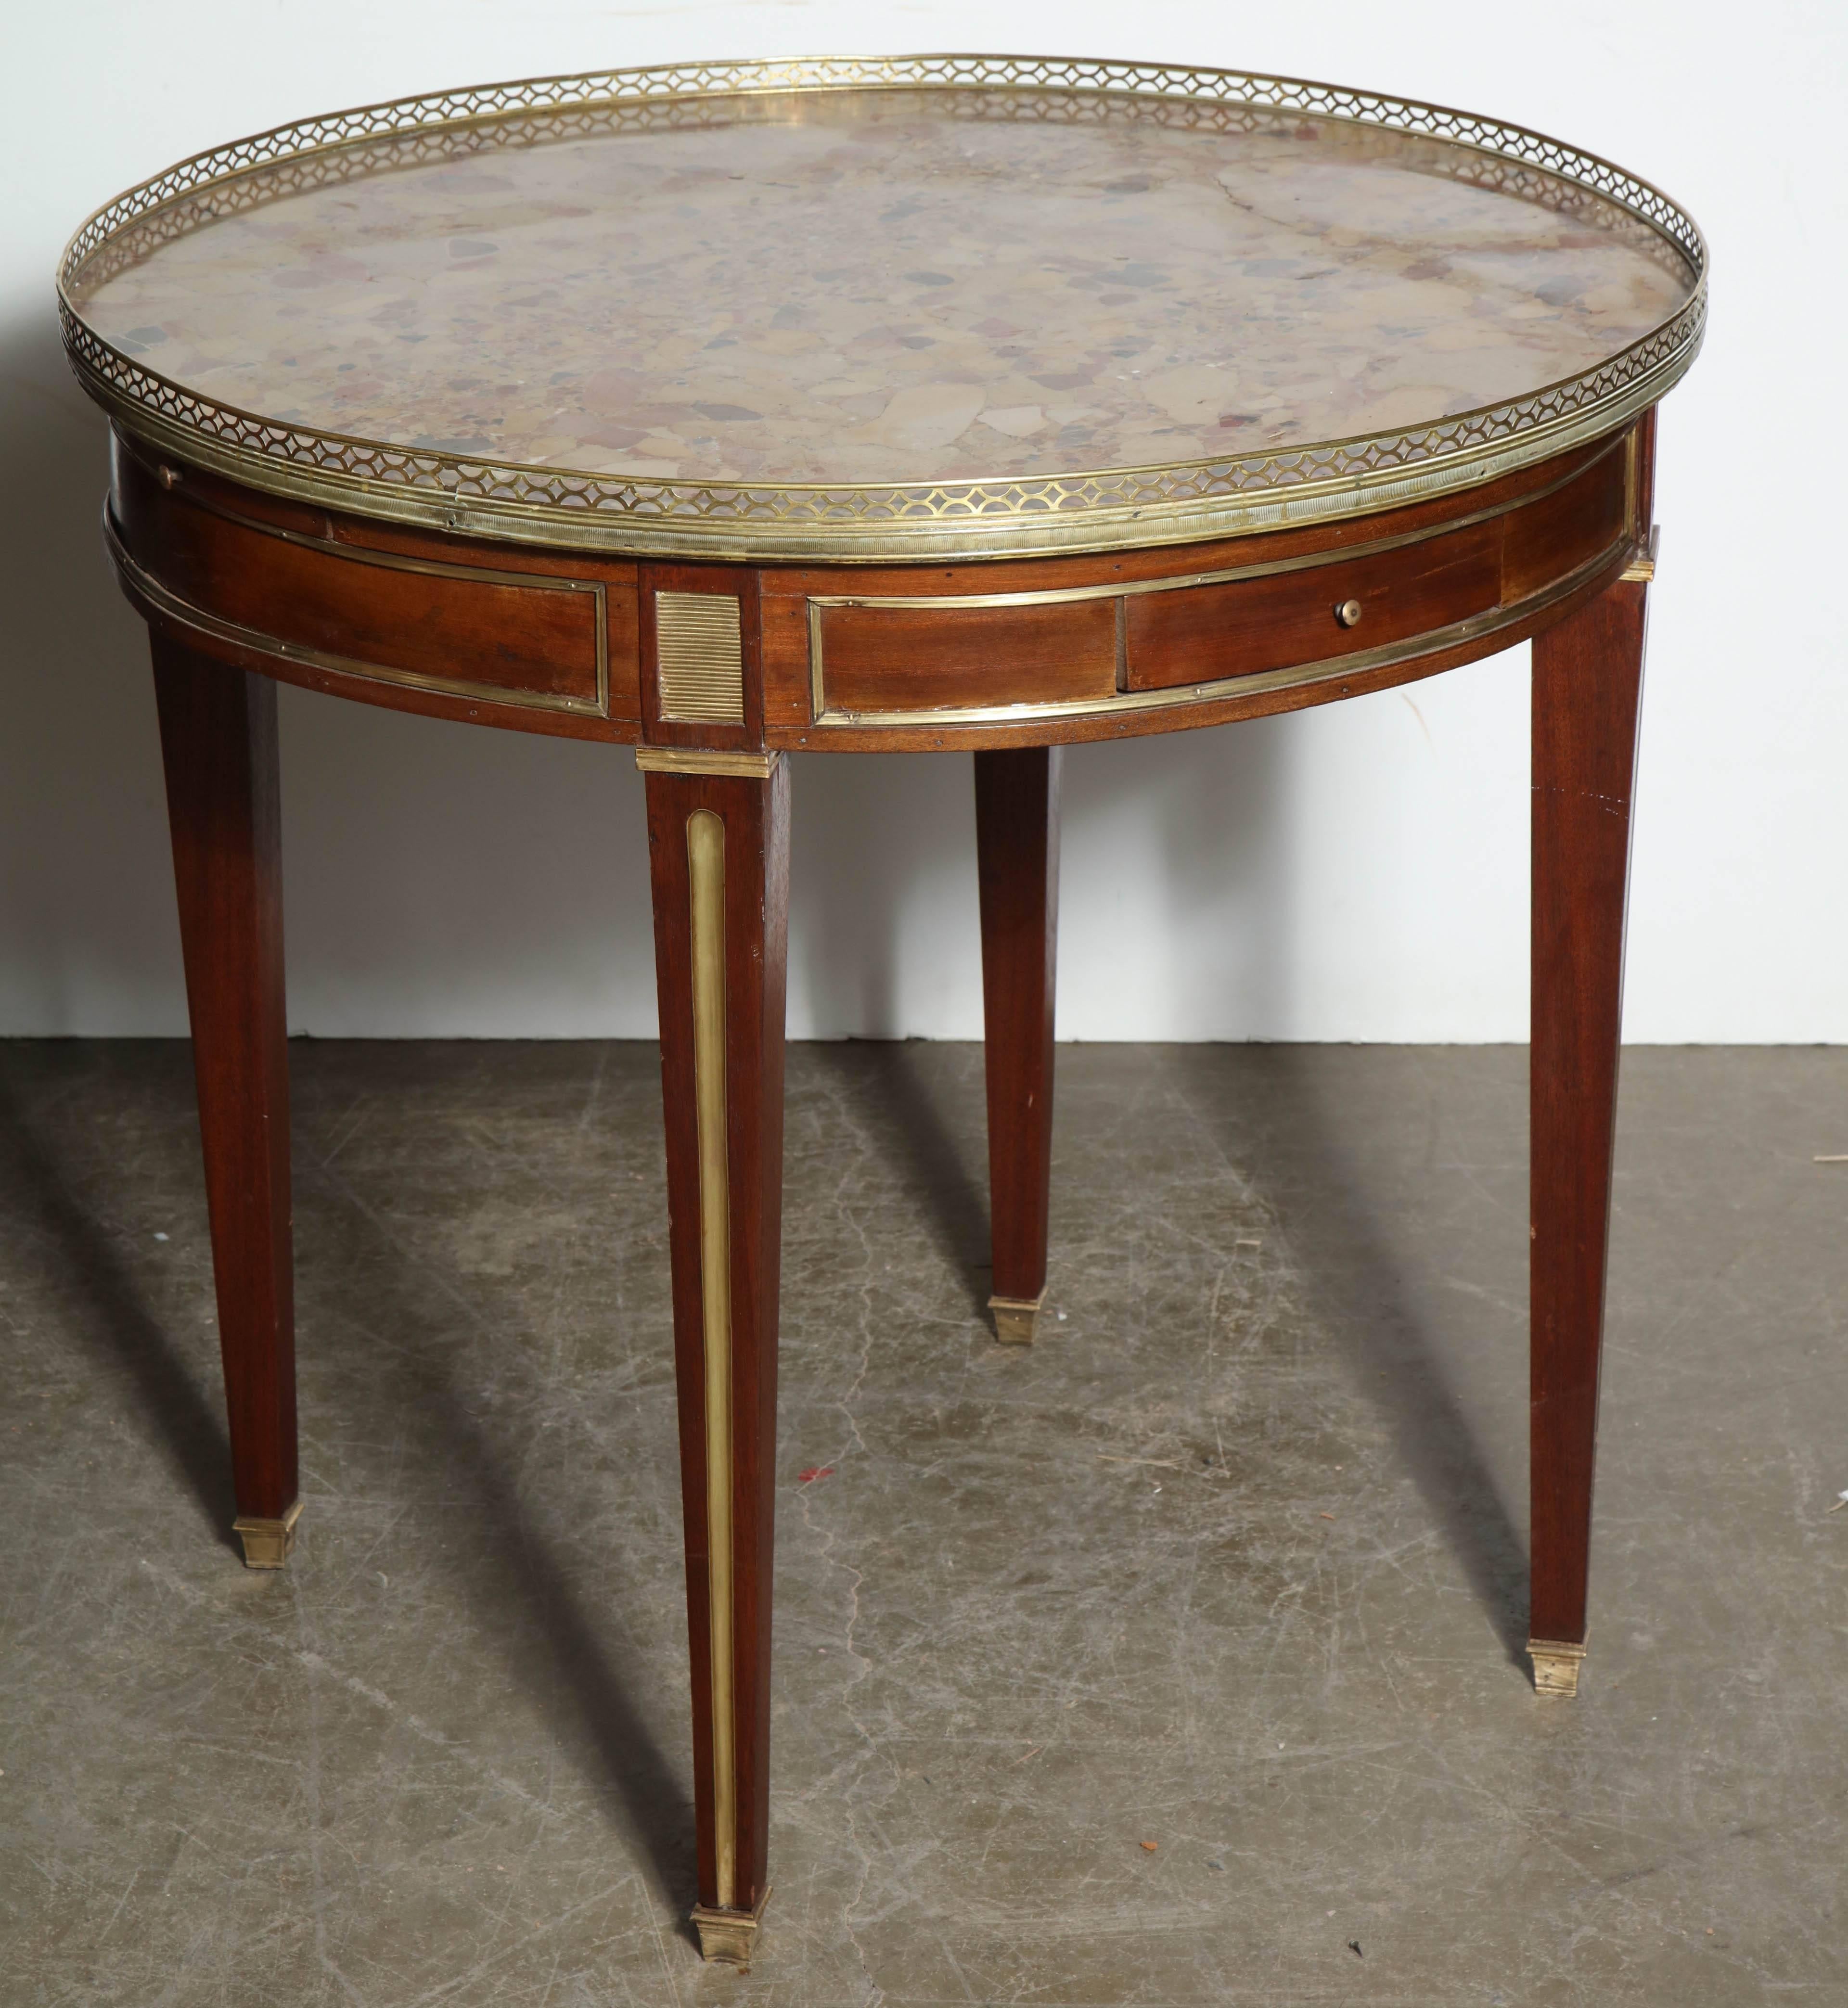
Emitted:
pixel 1555 1666
pixel 1014 1318
pixel 727 1936
pixel 267 1542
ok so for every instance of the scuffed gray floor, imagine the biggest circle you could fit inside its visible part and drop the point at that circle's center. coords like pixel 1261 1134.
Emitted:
pixel 1174 1661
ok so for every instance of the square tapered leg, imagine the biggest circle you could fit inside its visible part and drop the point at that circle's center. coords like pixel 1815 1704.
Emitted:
pixel 718 852
pixel 218 745
pixel 1017 846
pixel 1587 694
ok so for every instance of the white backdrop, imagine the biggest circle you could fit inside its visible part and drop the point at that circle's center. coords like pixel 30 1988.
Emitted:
pixel 1358 872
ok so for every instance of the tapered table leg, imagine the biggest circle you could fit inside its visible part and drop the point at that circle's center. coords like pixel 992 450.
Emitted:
pixel 218 744
pixel 719 851
pixel 1016 848
pixel 1587 689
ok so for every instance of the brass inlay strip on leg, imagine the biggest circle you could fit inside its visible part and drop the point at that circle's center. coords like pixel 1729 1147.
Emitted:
pixel 705 873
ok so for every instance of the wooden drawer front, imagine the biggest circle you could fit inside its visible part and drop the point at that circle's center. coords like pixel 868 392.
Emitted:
pixel 1546 539
pixel 871 659
pixel 507 636
pixel 1200 633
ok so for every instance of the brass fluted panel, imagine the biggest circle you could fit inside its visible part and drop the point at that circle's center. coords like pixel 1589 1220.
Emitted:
pixel 699 657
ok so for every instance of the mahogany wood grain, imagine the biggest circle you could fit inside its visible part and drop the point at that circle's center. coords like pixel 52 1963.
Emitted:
pixel 1549 515
pixel 1017 849
pixel 756 816
pixel 539 638
pixel 786 589
pixel 1586 692
pixel 218 744
pixel 1552 535
pixel 898 659
pixel 1519 556
pixel 391 606
pixel 1224 707
pixel 1023 731
pixel 507 716
pixel 1643 445
pixel 1201 633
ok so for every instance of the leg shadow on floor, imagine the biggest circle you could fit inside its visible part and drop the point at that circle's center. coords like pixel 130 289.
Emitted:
pixel 925 1093
pixel 1270 1105
pixel 51 1224
pixel 559 1656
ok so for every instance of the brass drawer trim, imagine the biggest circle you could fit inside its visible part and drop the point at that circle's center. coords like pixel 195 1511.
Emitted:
pixel 822 716
pixel 1433 640
pixel 174 607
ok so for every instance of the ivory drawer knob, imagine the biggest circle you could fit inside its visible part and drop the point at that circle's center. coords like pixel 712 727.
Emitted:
pixel 1348 613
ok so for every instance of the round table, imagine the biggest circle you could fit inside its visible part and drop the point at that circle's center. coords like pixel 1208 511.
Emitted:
pixel 965 403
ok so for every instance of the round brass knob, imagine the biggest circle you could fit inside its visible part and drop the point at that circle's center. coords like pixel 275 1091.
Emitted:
pixel 1349 613
pixel 169 477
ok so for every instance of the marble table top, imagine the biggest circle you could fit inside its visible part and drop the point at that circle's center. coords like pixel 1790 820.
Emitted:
pixel 866 286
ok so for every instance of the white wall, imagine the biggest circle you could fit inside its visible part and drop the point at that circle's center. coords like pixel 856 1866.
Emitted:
pixel 1358 872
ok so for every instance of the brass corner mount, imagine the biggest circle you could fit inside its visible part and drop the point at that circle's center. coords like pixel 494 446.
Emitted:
pixel 1641 571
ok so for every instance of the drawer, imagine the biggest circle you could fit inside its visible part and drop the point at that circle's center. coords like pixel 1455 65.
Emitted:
pixel 873 657
pixel 1201 634
pixel 508 635
pixel 1547 539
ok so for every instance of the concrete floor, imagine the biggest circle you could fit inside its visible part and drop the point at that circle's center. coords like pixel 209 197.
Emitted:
pixel 1231 1563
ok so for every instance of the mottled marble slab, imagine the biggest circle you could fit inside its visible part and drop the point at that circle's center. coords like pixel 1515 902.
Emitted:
pixel 865 286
